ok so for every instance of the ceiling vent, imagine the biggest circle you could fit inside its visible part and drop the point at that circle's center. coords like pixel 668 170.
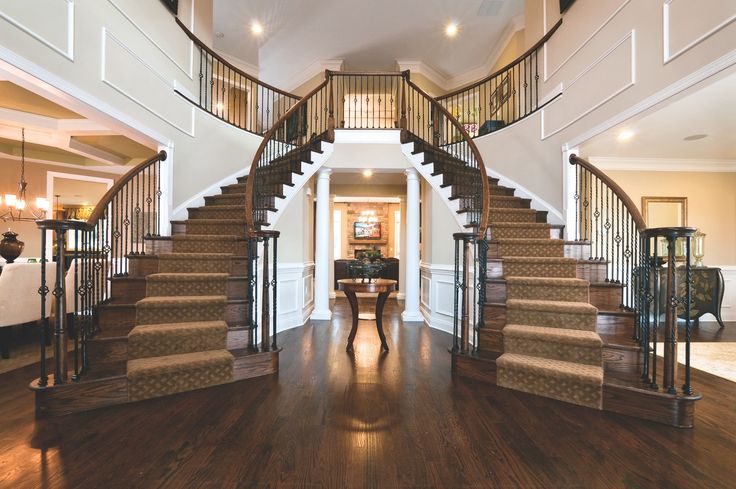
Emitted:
pixel 490 8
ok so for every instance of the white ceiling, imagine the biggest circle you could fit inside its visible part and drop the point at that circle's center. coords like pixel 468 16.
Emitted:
pixel 706 109
pixel 368 35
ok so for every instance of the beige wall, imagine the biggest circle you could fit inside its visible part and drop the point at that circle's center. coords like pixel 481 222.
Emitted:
pixel 711 204
pixel 513 50
pixel 36 177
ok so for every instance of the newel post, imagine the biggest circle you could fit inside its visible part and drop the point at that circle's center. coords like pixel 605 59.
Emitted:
pixel 402 119
pixel 331 108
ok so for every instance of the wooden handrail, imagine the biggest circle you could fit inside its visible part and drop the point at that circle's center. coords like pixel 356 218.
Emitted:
pixel 617 190
pixel 237 70
pixel 529 51
pixel 367 73
pixel 483 225
pixel 101 206
pixel 259 152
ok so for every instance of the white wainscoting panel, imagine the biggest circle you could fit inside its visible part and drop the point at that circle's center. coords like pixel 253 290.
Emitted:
pixel 437 295
pixel 49 21
pixel 612 73
pixel 685 23
pixel 127 73
pixel 728 308
pixel 295 301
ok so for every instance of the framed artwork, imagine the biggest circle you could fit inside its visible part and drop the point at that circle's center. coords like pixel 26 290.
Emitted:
pixel 172 5
pixel 367 230
pixel 500 95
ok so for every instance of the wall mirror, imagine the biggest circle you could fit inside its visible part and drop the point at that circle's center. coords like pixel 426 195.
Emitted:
pixel 661 212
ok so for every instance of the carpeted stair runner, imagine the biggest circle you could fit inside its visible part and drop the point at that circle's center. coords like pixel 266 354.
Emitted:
pixel 180 335
pixel 551 347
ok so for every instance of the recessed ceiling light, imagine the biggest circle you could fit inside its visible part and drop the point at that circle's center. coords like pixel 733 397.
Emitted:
pixel 219 106
pixel 451 29
pixel 367 173
pixel 256 28
pixel 695 137
pixel 624 135
pixel 219 35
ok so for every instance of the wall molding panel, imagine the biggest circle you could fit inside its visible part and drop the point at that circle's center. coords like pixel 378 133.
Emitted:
pixel 66 8
pixel 550 73
pixel 189 72
pixel 157 89
pixel 579 80
pixel 670 53
pixel 663 164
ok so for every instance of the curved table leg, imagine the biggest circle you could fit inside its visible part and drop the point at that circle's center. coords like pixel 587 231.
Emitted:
pixel 353 300
pixel 380 302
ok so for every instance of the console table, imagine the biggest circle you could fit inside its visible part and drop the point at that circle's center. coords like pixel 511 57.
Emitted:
pixel 383 287
pixel 706 292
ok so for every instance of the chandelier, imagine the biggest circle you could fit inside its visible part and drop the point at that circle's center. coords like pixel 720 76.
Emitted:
pixel 368 216
pixel 17 203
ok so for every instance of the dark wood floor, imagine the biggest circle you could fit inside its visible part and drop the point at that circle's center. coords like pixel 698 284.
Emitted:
pixel 331 420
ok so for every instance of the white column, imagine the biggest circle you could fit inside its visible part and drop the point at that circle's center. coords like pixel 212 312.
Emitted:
pixel 322 248
pixel 411 278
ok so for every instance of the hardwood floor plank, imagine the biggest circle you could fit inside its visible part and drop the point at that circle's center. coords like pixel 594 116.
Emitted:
pixel 331 420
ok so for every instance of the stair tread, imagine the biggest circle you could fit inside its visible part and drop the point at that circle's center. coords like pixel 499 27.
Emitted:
pixel 187 276
pixel 141 367
pixel 541 241
pixel 584 372
pixel 538 259
pixel 164 301
pixel 194 256
pixel 552 306
pixel 520 224
pixel 215 221
pixel 555 335
pixel 174 328
pixel 548 281
pixel 207 237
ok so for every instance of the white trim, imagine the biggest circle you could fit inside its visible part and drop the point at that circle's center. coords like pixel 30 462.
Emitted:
pixel 67 52
pixel 421 68
pixel 34 77
pixel 241 64
pixel 368 136
pixel 666 56
pixel 50 175
pixel 514 25
pixel 632 81
pixel 554 215
pixel 188 73
pixel 379 200
pixel 663 164
pixel 315 68
pixel 172 84
pixel 197 200
pixel 682 84
pixel 547 75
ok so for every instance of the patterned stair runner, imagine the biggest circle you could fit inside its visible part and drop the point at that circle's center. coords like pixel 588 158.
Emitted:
pixel 551 348
pixel 180 335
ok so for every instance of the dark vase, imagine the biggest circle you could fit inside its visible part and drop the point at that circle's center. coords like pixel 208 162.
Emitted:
pixel 10 247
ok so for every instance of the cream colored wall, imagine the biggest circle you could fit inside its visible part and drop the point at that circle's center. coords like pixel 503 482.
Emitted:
pixel 123 66
pixel 608 57
pixel 295 225
pixel 427 85
pixel 36 177
pixel 711 204
pixel 309 85
pixel 514 48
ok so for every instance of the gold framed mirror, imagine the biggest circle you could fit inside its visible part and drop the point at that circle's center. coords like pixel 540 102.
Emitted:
pixel 661 212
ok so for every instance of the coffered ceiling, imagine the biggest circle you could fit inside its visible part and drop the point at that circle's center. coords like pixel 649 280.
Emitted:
pixel 367 35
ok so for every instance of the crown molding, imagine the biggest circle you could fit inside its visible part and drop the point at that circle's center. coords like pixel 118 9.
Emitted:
pixel 514 25
pixel 249 68
pixel 446 82
pixel 314 69
pixel 417 66
pixel 663 164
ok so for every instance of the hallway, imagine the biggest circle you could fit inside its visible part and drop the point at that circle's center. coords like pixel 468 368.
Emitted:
pixel 332 421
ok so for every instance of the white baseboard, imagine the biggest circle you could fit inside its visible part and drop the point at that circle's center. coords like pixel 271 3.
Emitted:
pixel 325 315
